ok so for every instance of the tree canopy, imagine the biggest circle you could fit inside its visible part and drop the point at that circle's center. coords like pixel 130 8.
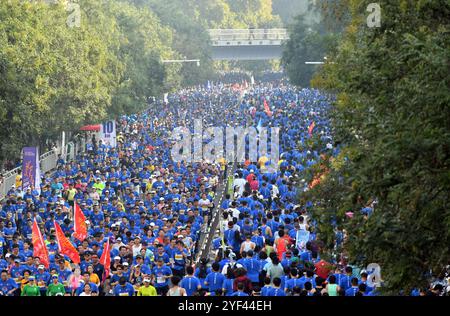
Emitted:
pixel 391 119
pixel 54 77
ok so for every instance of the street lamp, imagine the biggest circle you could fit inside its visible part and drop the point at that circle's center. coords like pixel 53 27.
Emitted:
pixel 317 62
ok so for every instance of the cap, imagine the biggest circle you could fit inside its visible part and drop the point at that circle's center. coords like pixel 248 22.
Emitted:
pixel 146 280
pixel 54 276
pixel 41 266
pixel 125 264
pixel 116 258
pixel 31 277
pixel 180 236
pixel 17 260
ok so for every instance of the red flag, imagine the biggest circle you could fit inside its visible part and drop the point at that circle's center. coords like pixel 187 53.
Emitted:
pixel 39 248
pixel 311 127
pixel 79 223
pixel 105 260
pixel 65 246
pixel 267 109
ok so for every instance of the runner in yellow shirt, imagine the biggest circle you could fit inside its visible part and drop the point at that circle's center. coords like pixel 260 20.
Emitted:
pixel 18 181
pixel 147 289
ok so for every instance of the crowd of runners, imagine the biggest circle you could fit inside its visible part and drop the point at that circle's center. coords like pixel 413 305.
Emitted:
pixel 153 209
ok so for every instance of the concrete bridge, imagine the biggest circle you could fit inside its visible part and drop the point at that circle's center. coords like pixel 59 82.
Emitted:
pixel 247 44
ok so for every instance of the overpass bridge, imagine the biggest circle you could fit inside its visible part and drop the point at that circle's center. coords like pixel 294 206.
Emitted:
pixel 247 44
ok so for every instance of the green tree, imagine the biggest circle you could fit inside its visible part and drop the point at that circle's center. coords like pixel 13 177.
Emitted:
pixel 306 43
pixel 392 116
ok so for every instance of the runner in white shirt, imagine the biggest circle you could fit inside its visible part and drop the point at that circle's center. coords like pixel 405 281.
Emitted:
pixel 240 183
pixel 247 244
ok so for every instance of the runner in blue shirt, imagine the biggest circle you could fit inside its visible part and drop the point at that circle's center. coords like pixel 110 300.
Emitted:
pixel 346 280
pixel 161 276
pixel 353 289
pixel 214 280
pixel 240 290
pixel 202 271
pixel 265 291
pixel 124 288
pixel 190 283
pixel 8 286
pixel 276 290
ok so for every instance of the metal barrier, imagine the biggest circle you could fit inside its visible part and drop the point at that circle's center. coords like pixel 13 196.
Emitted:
pixel 206 243
pixel 9 179
pixel 47 163
pixel 238 37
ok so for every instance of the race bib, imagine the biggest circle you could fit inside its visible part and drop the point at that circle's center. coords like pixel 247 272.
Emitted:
pixel 160 279
pixel 123 294
pixel 178 257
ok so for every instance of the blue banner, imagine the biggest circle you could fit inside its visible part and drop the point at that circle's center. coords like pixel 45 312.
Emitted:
pixel 29 167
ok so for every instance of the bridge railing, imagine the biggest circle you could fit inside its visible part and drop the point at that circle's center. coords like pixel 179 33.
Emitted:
pixel 221 37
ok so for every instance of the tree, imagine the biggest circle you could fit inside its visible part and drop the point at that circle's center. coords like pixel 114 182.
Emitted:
pixel 392 119
pixel 55 78
pixel 306 43
pixel 288 10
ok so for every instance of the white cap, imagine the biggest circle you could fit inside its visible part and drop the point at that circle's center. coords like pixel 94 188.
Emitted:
pixel 125 264
pixel 152 224
pixel 146 280
pixel 7 255
pixel 116 258
pixel 41 266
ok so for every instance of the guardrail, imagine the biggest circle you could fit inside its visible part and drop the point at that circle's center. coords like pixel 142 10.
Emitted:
pixel 47 163
pixel 206 243
pixel 225 37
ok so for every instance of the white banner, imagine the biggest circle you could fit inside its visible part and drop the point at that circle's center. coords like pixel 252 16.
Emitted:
pixel 108 133
pixel 302 238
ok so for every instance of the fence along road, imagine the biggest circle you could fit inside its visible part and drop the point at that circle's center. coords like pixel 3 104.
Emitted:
pixel 47 163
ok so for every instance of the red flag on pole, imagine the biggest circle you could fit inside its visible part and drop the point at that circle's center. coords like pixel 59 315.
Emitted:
pixel 65 246
pixel 39 248
pixel 105 260
pixel 267 109
pixel 79 223
pixel 311 127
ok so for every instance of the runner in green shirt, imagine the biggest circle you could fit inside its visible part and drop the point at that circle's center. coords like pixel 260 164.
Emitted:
pixel 147 289
pixel 55 288
pixel 31 289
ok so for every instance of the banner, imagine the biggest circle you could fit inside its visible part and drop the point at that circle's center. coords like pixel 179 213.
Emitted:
pixel 79 223
pixel 108 133
pixel 105 260
pixel 39 248
pixel 301 238
pixel 30 167
pixel 65 246
pixel 310 128
pixel 267 108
